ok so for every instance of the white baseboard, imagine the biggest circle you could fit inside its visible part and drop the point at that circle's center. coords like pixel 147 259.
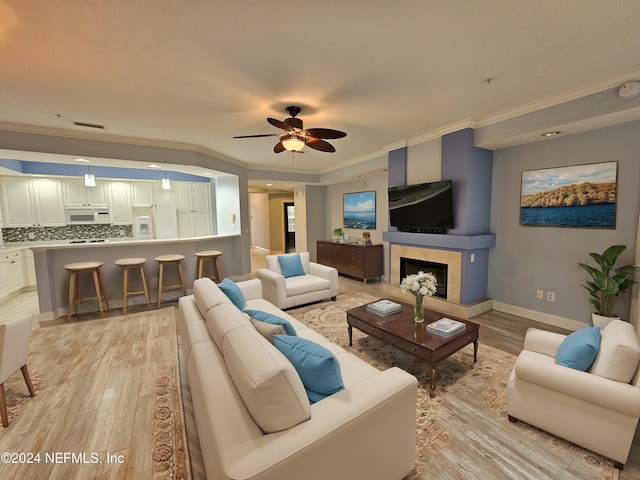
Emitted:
pixel 547 318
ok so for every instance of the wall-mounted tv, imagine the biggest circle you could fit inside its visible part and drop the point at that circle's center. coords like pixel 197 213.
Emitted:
pixel 422 208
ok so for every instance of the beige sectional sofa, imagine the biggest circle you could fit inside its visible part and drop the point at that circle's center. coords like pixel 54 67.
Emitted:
pixel 252 413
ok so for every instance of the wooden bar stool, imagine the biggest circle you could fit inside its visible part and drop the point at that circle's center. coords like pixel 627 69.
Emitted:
pixel 214 255
pixel 176 259
pixel 75 269
pixel 126 264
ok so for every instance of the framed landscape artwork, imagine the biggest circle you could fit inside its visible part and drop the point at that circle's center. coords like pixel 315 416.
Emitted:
pixel 582 196
pixel 360 210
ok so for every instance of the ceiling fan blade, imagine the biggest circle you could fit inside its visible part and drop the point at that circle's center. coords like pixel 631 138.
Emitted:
pixel 279 148
pixel 325 133
pixel 279 124
pixel 321 145
pixel 256 136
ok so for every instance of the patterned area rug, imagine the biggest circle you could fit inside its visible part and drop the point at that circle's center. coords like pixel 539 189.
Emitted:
pixel 463 432
pixel 108 386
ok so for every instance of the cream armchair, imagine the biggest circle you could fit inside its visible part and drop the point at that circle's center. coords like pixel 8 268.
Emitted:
pixel 15 336
pixel 316 282
pixel 597 409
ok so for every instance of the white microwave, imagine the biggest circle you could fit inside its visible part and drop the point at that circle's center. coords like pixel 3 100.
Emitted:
pixel 86 216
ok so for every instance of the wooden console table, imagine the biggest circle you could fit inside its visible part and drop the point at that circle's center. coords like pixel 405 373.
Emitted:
pixel 353 259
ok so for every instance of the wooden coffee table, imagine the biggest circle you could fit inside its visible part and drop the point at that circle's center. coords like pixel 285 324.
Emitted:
pixel 401 331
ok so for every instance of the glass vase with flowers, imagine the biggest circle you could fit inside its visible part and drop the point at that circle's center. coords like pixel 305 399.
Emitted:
pixel 420 285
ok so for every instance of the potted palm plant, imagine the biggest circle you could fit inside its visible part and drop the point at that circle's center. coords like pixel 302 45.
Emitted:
pixel 606 283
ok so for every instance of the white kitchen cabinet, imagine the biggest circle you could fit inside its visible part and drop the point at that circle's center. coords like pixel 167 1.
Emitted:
pixel 120 203
pixel 11 273
pixel 32 202
pixel 76 194
pixel 161 196
pixel 150 194
pixel 141 194
pixel 29 268
pixel 193 202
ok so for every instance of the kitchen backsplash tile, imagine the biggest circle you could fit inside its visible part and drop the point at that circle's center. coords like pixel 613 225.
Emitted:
pixel 69 232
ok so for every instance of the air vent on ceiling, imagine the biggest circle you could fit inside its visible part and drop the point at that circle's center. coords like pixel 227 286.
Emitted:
pixel 88 125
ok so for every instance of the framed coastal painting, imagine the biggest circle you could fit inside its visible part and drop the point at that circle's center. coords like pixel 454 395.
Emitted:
pixel 580 196
pixel 360 210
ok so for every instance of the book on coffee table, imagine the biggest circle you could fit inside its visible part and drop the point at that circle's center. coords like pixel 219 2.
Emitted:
pixel 384 307
pixel 446 326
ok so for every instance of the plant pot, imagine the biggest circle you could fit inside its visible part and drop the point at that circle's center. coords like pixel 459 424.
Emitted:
pixel 601 321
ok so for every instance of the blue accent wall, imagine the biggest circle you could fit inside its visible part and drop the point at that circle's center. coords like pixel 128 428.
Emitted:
pixel 46 168
pixel 398 167
pixel 470 168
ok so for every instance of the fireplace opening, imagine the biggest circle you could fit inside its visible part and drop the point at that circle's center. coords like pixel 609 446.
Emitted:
pixel 409 266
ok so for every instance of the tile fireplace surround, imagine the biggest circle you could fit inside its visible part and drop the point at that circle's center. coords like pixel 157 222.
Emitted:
pixel 451 305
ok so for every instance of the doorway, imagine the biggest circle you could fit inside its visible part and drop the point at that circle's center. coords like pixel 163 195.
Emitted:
pixel 289 227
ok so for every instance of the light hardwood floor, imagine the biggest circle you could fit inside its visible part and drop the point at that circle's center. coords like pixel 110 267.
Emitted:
pixel 499 330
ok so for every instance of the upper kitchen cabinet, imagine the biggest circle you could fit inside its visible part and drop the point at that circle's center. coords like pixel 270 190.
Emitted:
pixel 149 194
pixel 75 194
pixel 29 202
pixel 120 203
pixel 193 202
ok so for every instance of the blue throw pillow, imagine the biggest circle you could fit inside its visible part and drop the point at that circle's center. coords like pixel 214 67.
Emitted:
pixel 231 290
pixel 318 368
pixel 272 319
pixel 291 265
pixel 579 349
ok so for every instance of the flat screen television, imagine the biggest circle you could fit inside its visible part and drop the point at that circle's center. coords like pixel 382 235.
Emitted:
pixel 422 208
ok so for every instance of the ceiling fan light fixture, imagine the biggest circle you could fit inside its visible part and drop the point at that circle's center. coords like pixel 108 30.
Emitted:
pixel 293 143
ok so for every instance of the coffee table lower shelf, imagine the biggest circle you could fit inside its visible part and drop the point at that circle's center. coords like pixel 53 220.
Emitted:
pixel 401 331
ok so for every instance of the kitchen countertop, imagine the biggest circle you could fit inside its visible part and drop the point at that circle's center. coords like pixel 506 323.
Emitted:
pixel 60 244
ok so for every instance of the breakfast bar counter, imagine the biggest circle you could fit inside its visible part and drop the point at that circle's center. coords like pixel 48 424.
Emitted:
pixel 53 282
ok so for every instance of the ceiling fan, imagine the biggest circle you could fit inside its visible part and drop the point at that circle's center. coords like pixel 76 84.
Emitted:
pixel 295 136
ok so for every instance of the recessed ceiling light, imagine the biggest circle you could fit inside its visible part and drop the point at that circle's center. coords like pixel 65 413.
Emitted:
pixel 269 184
pixel 153 165
pixel 83 160
pixel 551 134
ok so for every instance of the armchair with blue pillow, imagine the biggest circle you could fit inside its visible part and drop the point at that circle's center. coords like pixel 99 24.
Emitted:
pixel 290 280
pixel 583 387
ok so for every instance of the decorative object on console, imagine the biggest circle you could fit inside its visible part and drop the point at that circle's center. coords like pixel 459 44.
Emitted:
pixel 338 234
pixel 574 202
pixel 366 238
pixel 607 283
pixel 420 284
pixel 359 210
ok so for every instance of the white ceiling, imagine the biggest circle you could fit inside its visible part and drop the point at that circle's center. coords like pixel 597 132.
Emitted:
pixel 199 72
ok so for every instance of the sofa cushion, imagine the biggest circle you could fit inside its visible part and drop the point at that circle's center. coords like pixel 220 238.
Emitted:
pixel 619 352
pixel 207 294
pixel 232 291
pixel 318 368
pixel 305 284
pixel 267 330
pixel 579 349
pixel 267 382
pixel 272 319
pixel 291 265
pixel 222 319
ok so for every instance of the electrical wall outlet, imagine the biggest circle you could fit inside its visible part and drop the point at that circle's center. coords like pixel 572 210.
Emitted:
pixel 551 296
pixel 31 235
pixel 539 294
